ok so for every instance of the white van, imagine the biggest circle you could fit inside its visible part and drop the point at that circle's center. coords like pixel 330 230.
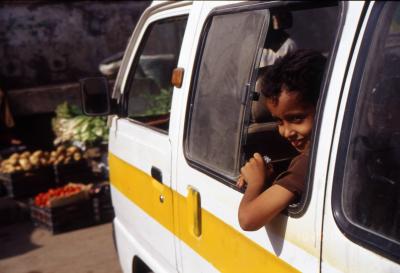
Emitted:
pixel 175 151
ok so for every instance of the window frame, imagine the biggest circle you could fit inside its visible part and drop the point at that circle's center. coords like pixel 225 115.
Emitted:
pixel 300 208
pixel 223 10
pixel 362 236
pixel 134 65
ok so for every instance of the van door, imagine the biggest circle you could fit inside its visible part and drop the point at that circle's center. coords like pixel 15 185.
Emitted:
pixel 140 146
pixel 362 216
pixel 216 141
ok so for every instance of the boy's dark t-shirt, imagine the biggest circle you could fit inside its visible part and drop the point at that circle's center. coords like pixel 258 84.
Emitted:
pixel 294 178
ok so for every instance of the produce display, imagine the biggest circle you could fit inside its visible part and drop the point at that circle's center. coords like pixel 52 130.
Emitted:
pixel 65 155
pixel 26 161
pixel 70 193
pixel 40 175
pixel 70 126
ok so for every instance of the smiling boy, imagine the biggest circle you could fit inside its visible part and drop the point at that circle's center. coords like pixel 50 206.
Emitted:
pixel 291 87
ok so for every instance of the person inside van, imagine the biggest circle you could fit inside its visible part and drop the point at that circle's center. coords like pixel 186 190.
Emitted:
pixel 278 42
pixel 291 87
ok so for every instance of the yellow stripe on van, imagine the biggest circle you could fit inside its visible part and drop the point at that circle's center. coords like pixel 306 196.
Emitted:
pixel 221 245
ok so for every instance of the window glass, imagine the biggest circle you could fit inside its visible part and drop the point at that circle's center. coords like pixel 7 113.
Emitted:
pixel 371 185
pixel 224 69
pixel 150 89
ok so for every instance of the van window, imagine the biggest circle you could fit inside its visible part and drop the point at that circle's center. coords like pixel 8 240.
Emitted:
pixel 226 124
pixel 292 28
pixel 367 193
pixel 226 62
pixel 148 93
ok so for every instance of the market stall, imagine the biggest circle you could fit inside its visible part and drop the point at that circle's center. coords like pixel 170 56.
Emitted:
pixel 66 187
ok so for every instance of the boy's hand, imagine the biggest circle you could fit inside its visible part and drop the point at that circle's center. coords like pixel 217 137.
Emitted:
pixel 254 172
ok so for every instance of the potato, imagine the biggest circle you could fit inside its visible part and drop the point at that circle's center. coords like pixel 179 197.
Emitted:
pixel 72 149
pixel 12 161
pixel 34 160
pixel 8 169
pixel 38 153
pixel 4 163
pixel 25 154
pixel 25 164
pixel 77 156
pixel 26 167
pixel 43 161
pixel 60 158
pixel 14 156
pixel 60 149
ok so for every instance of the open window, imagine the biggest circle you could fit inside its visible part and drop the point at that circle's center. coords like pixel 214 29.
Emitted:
pixel 148 93
pixel 227 120
pixel 294 27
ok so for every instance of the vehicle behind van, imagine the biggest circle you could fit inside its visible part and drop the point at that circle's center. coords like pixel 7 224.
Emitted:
pixel 186 114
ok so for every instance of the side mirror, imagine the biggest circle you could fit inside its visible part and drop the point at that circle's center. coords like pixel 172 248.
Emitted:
pixel 95 96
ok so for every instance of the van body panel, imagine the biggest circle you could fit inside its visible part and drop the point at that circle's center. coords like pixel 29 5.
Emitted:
pixel 138 147
pixel 228 253
pixel 131 243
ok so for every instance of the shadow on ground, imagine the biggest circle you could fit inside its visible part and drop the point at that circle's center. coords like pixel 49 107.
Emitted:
pixel 12 245
pixel 15 229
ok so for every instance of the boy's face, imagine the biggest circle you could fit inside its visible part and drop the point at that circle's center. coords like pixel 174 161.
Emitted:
pixel 295 118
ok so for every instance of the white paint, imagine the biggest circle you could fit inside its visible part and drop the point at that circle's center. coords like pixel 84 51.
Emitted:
pixel 135 232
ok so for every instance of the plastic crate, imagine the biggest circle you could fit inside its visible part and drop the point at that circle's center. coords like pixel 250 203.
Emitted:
pixel 64 218
pixel 103 209
pixel 25 184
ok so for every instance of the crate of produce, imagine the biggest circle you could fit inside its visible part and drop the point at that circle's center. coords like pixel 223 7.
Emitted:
pixel 103 209
pixel 64 218
pixel 23 184
pixel 63 209
pixel 69 165
pixel 26 174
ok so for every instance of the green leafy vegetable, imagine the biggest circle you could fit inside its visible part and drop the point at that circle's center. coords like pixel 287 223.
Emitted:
pixel 70 125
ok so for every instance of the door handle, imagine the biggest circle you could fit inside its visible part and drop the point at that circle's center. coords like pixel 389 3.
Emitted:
pixel 156 174
pixel 194 211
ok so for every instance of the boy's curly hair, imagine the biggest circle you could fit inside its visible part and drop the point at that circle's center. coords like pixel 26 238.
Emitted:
pixel 299 71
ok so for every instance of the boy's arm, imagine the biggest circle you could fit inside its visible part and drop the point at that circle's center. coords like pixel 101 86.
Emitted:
pixel 256 210
pixel 258 207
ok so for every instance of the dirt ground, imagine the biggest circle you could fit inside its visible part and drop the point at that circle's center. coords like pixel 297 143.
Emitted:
pixel 27 249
